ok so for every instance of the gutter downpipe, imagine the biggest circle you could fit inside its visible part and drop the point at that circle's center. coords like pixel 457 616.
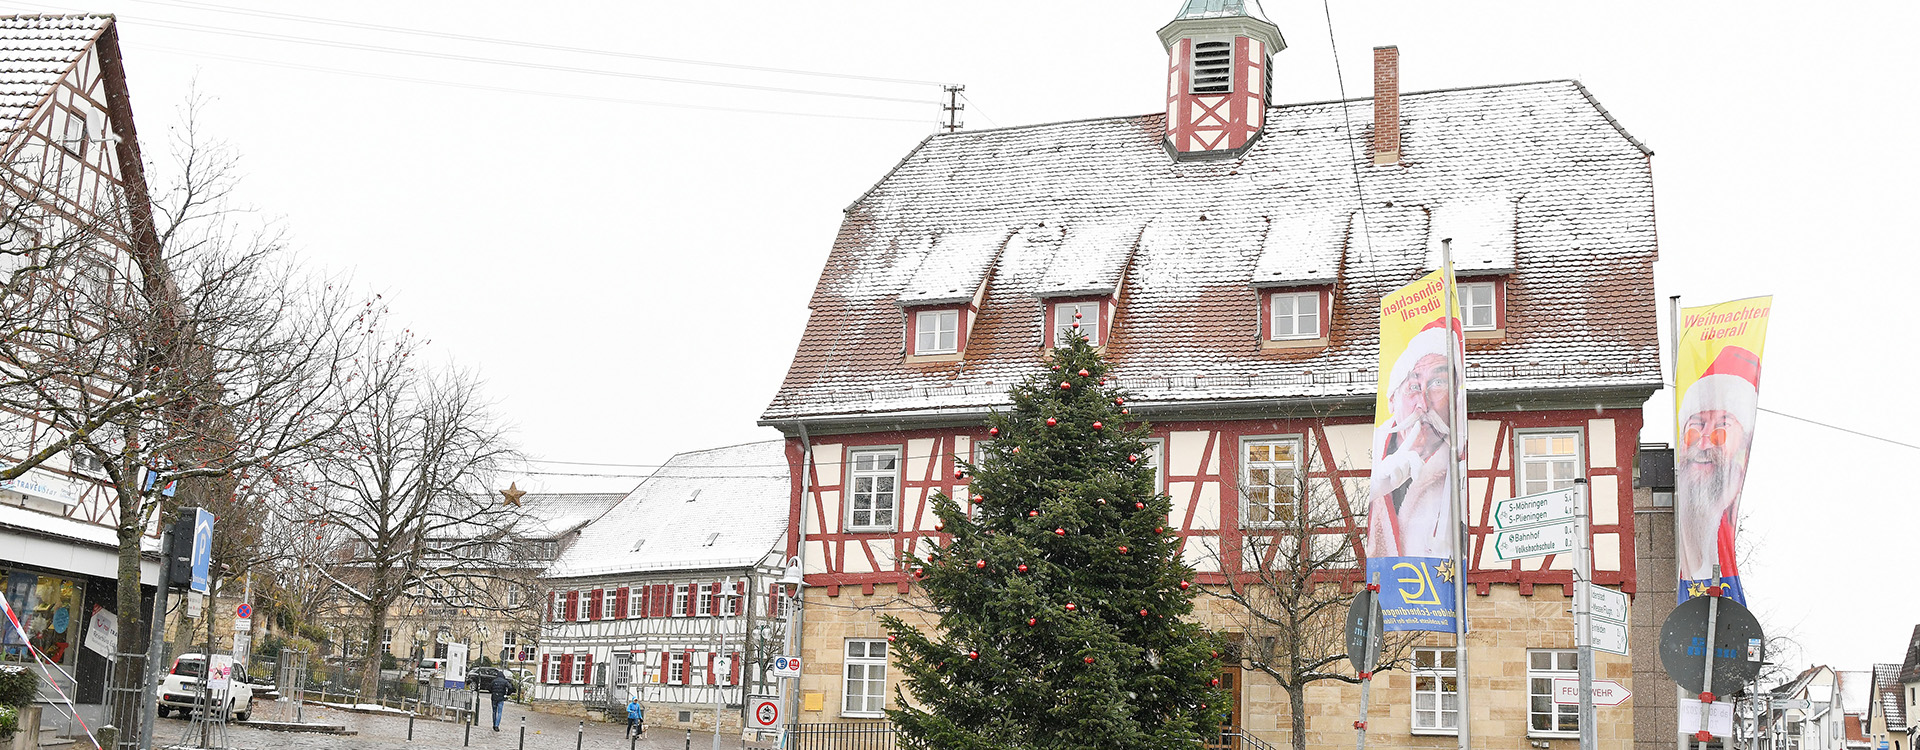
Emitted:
pixel 799 591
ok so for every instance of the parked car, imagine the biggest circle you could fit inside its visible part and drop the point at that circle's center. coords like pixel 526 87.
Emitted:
pixel 180 689
pixel 431 671
pixel 479 677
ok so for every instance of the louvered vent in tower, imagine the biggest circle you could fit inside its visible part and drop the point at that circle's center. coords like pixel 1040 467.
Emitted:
pixel 1213 67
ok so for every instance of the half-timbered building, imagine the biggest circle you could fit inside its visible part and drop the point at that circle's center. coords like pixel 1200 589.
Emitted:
pixel 671 597
pixel 1229 255
pixel 72 172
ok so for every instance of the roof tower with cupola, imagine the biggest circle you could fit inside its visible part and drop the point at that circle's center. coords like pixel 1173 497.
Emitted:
pixel 1219 77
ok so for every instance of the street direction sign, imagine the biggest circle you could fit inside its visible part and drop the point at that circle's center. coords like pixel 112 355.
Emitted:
pixel 1683 646
pixel 1535 541
pixel 1363 644
pixel 1566 692
pixel 1608 636
pixel 1539 508
pixel 1792 704
pixel 1606 604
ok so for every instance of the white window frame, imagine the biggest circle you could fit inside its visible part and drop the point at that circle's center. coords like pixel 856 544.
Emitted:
pixel 677 668
pixel 1089 321
pixel 636 597
pixel 1469 305
pixel 1193 67
pixel 1156 459
pixel 871 689
pixel 703 607
pixel 1526 486
pixel 1429 675
pixel 1295 317
pixel 386 641
pixel 1298 445
pixel 681 595
pixel 874 509
pixel 929 328
pixel 622 669
pixel 1565 663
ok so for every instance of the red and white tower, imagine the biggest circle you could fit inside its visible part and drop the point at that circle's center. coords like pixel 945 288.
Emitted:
pixel 1219 77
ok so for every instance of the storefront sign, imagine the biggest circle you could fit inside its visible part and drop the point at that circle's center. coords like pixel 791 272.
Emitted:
pixel 44 486
pixel 103 632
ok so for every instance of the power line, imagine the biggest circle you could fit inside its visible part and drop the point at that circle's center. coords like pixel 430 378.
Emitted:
pixel 1353 157
pixel 1869 436
pixel 205 29
pixel 528 44
pixel 505 89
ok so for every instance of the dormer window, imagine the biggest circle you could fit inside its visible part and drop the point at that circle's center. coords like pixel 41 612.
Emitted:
pixel 1483 307
pixel 1212 67
pixel 1085 314
pixel 936 332
pixel 1295 318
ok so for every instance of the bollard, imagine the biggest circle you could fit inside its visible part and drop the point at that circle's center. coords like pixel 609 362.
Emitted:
pixel 634 740
pixel 523 733
pixel 581 738
pixel 409 727
pixel 689 739
pixel 467 730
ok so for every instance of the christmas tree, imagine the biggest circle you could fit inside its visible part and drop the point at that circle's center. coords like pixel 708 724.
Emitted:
pixel 1061 596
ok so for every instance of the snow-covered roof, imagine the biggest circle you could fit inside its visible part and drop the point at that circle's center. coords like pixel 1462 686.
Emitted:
pixel 1535 180
pixel 1221 9
pixel 1910 669
pixel 952 267
pixel 718 508
pixel 1855 687
pixel 549 516
pixel 1889 698
pixel 35 51
pixel 1090 258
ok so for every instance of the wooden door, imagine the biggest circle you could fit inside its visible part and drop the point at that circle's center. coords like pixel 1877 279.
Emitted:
pixel 1229 736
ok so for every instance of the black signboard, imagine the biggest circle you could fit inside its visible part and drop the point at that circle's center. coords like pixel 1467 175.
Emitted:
pixel 1363 643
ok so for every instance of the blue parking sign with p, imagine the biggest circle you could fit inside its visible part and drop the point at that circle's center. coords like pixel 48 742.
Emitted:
pixel 202 549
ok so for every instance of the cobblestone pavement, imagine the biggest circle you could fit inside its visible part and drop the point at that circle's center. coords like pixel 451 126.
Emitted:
pixel 379 732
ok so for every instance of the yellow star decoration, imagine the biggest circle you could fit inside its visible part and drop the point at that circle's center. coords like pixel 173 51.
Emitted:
pixel 1696 588
pixel 1445 571
pixel 513 493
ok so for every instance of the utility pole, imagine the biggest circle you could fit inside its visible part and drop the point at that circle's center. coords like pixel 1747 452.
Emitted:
pixel 952 107
pixel 723 620
pixel 1583 616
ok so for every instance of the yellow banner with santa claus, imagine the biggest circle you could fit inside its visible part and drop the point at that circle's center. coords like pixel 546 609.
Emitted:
pixel 1717 390
pixel 1417 455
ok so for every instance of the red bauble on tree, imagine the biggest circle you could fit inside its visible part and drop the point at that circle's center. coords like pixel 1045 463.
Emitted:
pixel 1033 514
pixel 1071 606
pixel 1051 421
pixel 975 656
pixel 1124 550
pixel 1022 568
pixel 1060 532
pixel 980 564
pixel 1184 585
pixel 1031 621
pixel 1139 506
pixel 1084 373
pixel 1065 385
pixel 993 431
pixel 1143 613
pixel 1087 659
pixel 1099 426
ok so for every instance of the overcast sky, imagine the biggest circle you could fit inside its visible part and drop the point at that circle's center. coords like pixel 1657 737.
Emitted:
pixel 631 279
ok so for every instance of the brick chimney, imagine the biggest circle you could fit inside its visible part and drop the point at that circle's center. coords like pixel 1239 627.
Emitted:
pixel 1386 105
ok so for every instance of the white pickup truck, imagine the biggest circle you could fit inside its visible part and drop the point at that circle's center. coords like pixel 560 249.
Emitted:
pixel 180 689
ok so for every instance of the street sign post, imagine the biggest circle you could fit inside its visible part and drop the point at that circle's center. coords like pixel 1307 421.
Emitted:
pixel 1540 508
pixel 1608 636
pixel 1566 692
pixel 202 549
pixel 1607 604
pixel 1683 645
pixel 764 711
pixel 1558 538
pixel 1365 626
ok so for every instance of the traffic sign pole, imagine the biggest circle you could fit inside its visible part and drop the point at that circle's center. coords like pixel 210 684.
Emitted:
pixel 1583 614
pixel 1713 622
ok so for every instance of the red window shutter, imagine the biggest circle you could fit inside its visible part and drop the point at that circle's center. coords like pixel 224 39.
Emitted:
pixel 599 605
pixel 658 607
pixel 584 674
pixel 565 674
pixel 646 600
pixel 686 675
pixel 573 605
pixel 712 679
pixel 552 599
pixel 738 605
pixel 546 668
pixel 665 658
pixel 620 603
pixel 733 673
pixel 773 599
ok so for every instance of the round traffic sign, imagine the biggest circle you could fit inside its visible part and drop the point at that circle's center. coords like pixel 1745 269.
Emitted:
pixel 766 713
pixel 1739 647
pixel 1363 640
pixel 243 611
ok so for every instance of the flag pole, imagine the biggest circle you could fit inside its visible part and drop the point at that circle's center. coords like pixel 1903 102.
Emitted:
pixel 1463 536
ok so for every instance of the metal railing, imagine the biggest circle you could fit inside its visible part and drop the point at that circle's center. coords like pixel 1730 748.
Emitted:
pixel 864 736
pixel 1237 738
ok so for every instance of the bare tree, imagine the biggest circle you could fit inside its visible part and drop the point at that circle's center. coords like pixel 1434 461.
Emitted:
pixel 1297 574
pixel 407 487
pixel 167 341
